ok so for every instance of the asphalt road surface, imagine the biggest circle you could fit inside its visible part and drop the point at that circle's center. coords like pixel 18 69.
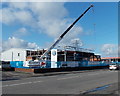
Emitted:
pixel 74 83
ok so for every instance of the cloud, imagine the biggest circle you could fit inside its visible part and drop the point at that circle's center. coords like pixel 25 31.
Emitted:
pixel 12 15
pixel 50 21
pixel 0 46
pixel 71 42
pixel 20 5
pixel 77 41
pixel 110 50
pixel 119 50
pixel 48 18
pixel 14 42
pixel 20 32
pixel 5 18
pixel 24 17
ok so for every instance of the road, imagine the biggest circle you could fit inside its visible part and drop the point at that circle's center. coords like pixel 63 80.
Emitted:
pixel 74 83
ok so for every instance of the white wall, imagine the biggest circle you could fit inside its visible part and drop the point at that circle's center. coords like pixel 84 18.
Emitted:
pixel 12 55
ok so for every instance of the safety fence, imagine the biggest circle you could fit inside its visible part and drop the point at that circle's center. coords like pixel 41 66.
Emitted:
pixel 59 64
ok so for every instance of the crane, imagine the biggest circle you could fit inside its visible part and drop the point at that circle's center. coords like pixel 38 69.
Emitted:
pixel 64 33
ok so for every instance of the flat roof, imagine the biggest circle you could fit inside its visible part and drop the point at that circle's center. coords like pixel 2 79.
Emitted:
pixel 110 58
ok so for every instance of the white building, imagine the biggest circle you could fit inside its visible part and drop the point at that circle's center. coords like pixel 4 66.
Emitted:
pixel 19 54
pixel 14 54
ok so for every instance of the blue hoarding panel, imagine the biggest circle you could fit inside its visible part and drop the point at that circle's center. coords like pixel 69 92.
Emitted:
pixel 85 63
pixel 16 64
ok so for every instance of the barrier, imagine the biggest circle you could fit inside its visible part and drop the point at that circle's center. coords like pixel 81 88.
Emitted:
pixel 60 64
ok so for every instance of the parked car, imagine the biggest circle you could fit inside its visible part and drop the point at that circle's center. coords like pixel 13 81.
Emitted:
pixel 114 66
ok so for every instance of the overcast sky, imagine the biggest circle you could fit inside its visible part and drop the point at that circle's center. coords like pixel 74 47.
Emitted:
pixel 38 25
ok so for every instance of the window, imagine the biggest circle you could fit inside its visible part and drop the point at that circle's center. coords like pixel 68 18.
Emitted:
pixel 18 54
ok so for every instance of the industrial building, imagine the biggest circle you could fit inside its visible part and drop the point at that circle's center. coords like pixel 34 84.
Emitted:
pixel 111 59
pixel 17 54
pixel 20 59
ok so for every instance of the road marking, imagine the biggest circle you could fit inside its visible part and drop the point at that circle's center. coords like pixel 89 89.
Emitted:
pixel 91 74
pixel 52 76
pixel 17 84
pixel 21 83
pixel 76 76
pixel 68 77
pixel 96 89
pixel 37 81
pixel 95 74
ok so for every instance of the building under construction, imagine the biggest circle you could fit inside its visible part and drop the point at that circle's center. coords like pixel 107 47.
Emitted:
pixel 17 54
pixel 63 55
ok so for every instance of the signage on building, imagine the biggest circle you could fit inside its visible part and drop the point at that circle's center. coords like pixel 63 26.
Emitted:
pixel 54 58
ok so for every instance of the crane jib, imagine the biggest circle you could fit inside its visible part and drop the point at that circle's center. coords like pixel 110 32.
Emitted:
pixel 74 22
pixel 65 32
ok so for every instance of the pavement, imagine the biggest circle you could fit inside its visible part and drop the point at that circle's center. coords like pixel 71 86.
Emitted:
pixel 74 83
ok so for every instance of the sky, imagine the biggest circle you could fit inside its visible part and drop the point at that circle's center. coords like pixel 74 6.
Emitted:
pixel 36 25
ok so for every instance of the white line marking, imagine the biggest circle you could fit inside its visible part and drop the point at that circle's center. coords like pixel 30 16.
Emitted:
pixel 91 74
pixel 37 81
pixel 68 78
pixel 52 76
pixel 17 84
pixel 22 83
pixel 94 74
